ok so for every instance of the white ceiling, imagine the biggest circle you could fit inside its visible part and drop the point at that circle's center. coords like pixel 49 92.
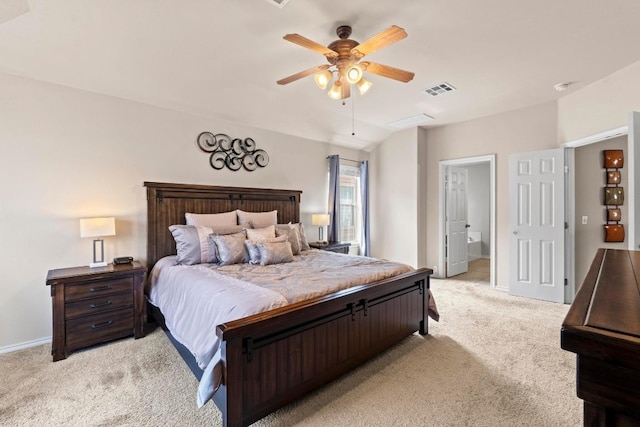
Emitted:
pixel 222 58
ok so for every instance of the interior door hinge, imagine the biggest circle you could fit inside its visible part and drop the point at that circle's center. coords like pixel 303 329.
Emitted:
pixel 566 168
pixel 566 282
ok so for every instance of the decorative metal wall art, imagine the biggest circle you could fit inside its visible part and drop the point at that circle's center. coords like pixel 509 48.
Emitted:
pixel 233 153
pixel 613 195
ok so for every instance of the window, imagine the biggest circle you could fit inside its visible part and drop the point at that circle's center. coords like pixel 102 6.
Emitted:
pixel 350 206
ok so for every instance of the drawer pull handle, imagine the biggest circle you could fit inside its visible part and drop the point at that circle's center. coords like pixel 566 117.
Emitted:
pixel 102 325
pixel 100 288
pixel 100 305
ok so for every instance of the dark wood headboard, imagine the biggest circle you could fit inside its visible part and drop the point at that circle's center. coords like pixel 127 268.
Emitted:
pixel 167 204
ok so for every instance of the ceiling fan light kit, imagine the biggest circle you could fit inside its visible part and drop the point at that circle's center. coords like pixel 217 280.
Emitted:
pixel 344 57
pixel 336 91
pixel 363 85
pixel 323 78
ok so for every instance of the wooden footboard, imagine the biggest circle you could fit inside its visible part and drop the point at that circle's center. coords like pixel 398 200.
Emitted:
pixel 273 358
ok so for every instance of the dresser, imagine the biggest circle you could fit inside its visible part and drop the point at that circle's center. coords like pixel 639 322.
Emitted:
pixel 95 305
pixel 341 248
pixel 603 328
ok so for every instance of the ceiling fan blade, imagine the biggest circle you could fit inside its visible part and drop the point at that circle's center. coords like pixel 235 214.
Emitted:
pixel 387 71
pixel 384 38
pixel 310 44
pixel 301 74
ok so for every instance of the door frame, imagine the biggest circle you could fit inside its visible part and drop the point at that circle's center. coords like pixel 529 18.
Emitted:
pixel 630 131
pixel 491 159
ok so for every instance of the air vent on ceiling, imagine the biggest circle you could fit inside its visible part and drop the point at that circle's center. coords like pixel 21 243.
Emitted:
pixel 420 119
pixel 440 89
pixel 279 3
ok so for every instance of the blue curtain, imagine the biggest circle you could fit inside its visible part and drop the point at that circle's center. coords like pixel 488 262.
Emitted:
pixel 334 198
pixel 365 244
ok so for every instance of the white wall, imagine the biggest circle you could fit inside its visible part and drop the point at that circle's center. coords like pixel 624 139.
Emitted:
pixel 394 198
pixel 69 154
pixel 600 106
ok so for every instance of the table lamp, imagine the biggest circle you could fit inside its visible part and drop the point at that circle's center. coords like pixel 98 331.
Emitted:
pixel 98 227
pixel 321 220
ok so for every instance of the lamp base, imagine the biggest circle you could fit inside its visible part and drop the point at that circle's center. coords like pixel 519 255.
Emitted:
pixel 98 254
pixel 98 264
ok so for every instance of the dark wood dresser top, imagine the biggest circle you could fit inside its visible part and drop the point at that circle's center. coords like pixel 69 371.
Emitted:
pixel 603 328
pixel 609 298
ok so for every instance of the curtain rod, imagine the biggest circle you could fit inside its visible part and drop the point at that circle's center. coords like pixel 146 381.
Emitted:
pixel 349 160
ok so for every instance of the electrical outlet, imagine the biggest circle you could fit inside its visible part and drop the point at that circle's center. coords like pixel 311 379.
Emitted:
pixel 435 269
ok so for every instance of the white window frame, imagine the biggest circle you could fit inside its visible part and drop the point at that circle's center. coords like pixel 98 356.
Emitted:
pixel 350 176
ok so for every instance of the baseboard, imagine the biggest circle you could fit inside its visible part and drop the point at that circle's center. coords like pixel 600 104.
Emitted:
pixel 26 344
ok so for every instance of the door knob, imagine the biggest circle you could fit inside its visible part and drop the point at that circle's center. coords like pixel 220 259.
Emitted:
pixel 467 226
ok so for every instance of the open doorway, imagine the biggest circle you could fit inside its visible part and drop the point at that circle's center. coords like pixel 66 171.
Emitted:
pixel 479 249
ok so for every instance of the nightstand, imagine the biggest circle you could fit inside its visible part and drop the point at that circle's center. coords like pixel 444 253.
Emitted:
pixel 341 248
pixel 95 305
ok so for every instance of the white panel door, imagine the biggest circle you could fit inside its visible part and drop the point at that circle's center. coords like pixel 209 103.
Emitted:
pixel 536 223
pixel 456 221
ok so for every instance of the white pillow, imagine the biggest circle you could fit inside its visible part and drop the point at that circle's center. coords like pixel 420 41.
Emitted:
pixel 257 219
pixel 212 220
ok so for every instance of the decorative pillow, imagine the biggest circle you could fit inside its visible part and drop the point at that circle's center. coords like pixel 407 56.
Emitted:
pixel 275 253
pixel 302 237
pixel 230 248
pixel 191 244
pixel 292 237
pixel 212 220
pixel 227 229
pixel 254 252
pixel 261 234
pixel 258 219
pixel 304 245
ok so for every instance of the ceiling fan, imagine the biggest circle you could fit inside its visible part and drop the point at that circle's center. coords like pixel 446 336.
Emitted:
pixel 344 57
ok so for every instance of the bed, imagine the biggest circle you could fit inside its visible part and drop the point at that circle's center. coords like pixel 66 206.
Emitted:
pixel 272 358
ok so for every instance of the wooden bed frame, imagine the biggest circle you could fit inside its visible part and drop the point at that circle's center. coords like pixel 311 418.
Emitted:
pixel 273 358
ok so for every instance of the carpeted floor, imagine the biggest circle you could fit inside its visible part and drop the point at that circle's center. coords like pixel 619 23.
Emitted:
pixel 492 360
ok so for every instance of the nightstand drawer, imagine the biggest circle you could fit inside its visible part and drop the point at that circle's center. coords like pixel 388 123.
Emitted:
pixel 95 305
pixel 90 330
pixel 98 305
pixel 98 288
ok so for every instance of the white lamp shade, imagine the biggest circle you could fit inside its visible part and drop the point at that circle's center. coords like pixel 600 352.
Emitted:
pixel 320 219
pixel 97 227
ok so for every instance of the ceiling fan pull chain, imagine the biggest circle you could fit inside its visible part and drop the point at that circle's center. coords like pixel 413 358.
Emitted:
pixel 353 119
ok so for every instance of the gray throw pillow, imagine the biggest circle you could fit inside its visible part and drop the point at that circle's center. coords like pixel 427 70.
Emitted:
pixel 191 244
pixel 275 253
pixel 292 237
pixel 254 252
pixel 230 248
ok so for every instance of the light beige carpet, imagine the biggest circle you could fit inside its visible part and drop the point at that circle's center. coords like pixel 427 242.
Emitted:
pixel 492 360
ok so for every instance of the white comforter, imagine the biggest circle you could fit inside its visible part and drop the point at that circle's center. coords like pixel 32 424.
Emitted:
pixel 194 300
